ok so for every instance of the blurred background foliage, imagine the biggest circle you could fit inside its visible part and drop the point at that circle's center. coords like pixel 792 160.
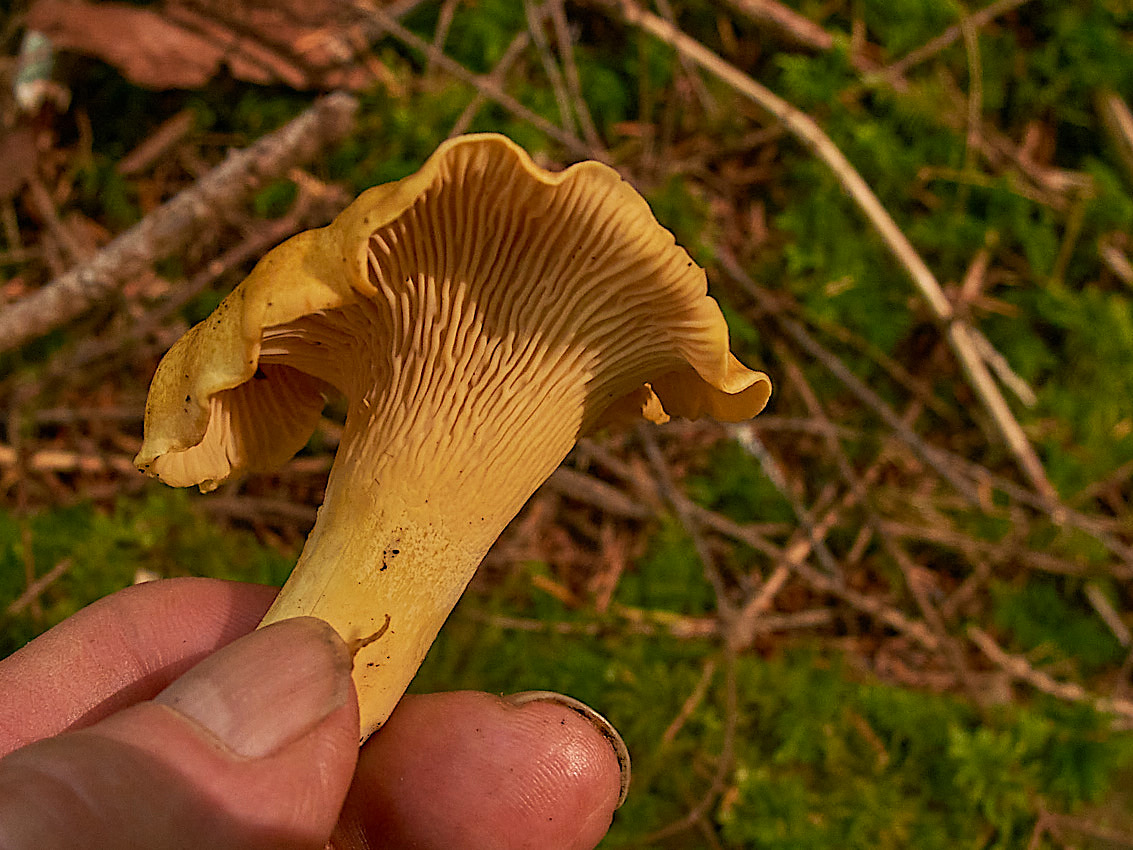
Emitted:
pixel 932 663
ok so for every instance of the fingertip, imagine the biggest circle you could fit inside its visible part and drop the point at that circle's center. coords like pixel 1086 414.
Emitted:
pixel 469 769
pixel 601 725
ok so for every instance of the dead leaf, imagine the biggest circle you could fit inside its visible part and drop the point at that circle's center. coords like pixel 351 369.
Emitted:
pixel 182 44
pixel 18 153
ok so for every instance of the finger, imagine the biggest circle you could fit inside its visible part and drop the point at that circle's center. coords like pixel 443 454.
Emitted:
pixel 253 748
pixel 120 650
pixel 469 770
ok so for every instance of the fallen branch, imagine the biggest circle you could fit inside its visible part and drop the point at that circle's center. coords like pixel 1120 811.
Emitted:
pixel 63 460
pixel 311 209
pixel 1019 668
pixel 925 451
pixel 786 21
pixel 859 485
pixel 37 587
pixel 172 226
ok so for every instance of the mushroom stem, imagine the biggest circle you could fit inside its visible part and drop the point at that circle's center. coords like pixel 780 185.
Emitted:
pixel 409 515
pixel 386 581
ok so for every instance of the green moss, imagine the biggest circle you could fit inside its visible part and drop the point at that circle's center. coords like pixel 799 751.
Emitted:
pixel 275 199
pixel 165 533
pixel 1046 621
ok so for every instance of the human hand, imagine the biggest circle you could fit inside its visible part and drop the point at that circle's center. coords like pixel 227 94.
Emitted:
pixel 153 719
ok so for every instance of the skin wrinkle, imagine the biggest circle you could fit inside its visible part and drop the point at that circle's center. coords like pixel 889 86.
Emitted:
pixel 52 779
pixel 95 658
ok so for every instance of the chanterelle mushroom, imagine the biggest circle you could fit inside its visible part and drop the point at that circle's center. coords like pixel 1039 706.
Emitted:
pixel 478 316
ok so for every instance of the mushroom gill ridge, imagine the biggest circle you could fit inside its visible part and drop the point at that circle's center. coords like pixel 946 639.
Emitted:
pixel 482 327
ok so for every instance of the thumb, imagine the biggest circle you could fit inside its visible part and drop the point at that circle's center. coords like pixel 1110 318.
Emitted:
pixel 254 747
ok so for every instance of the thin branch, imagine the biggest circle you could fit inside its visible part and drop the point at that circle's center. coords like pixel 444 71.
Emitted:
pixel 535 16
pixel 1115 259
pixel 970 546
pixel 1019 668
pixel 171 227
pixel 1054 822
pixel 691 703
pixel 745 435
pixel 1117 121
pixel 637 621
pixel 514 49
pixel 949 37
pixel 752 612
pixel 308 211
pixel 37 587
pixel 962 473
pixel 797 28
pixel 928 453
pixel 975 85
pixel 593 491
pixel 486 85
pixel 565 47
pixel 912 574
pixel 724 761
pixel 440 33
pixel 677 500
pixel 1109 614
pixel 1003 370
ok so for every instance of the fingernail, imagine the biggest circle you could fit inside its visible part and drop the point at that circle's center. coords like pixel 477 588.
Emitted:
pixel 600 723
pixel 268 688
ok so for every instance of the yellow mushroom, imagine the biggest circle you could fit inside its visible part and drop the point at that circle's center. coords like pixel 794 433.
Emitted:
pixel 478 316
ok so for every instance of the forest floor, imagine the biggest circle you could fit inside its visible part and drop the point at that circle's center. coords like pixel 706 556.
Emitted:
pixel 893 610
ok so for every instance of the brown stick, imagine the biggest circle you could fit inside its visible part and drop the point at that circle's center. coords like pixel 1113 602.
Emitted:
pixel 485 85
pixel 1019 668
pixel 573 80
pixel 499 74
pixel 170 227
pixel 725 608
pixel 28 597
pixel 798 28
pixel 949 37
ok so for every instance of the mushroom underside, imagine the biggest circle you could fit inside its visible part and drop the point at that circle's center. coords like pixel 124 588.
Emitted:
pixel 496 312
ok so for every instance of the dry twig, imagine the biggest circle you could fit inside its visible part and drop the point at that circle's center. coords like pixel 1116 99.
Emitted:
pixel 798 28
pixel 499 74
pixel 488 86
pixel 37 587
pixel 1019 668
pixel 949 37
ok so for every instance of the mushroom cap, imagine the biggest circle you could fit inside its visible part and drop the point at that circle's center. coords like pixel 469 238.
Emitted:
pixel 574 260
